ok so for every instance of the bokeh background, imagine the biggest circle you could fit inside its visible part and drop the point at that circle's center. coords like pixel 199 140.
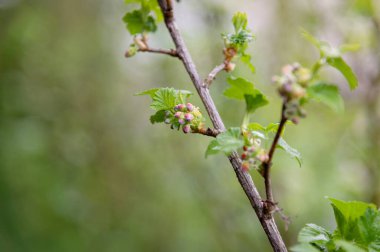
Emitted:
pixel 82 169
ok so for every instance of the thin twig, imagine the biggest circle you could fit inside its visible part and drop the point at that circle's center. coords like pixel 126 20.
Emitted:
pixel 244 178
pixel 207 132
pixel 170 52
pixel 211 76
pixel 270 205
pixel 278 134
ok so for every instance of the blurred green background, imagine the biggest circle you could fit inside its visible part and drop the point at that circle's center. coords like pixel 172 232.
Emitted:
pixel 82 169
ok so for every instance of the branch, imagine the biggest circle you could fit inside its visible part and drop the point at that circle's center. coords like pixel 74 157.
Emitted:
pixel 207 132
pixel 278 134
pixel 244 178
pixel 170 52
pixel 270 204
pixel 211 76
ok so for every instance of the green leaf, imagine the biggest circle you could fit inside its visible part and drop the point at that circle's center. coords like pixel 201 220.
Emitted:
pixel 182 96
pixel 240 21
pixel 364 7
pixel 258 134
pixel 226 142
pixel 304 247
pixel 291 151
pixel 138 22
pixel 246 59
pixel 152 5
pixel 272 128
pixel 349 48
pixel 369 228
pixel 212 148
pixel 314 234
pixel 347 215
pixel 238 88
pixel 158 117
pixel 345 69
pixel 164 99
pixel 255 126
pixel 149 92
pixel 327 94
pixel 242 89
pixel 255 101
pixel 347 246
pixel 316 42
pixel 134 22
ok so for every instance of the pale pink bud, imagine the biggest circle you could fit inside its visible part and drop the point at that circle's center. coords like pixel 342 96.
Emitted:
pixel 189 117
pixel 189 107
pixel 186 129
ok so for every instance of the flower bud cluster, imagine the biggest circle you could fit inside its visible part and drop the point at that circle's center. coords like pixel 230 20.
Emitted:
pixel 186 116
pixel 292 86
pixel 253 154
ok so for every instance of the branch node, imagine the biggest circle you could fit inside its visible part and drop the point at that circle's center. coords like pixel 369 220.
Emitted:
pixel 207 132
pixel 212 75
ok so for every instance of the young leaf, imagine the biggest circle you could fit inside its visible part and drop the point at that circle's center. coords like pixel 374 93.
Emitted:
pixel 226 142
pixel 182 96
pixel 149 92
pixel 164 99
pixel 347 215
pixel 212 148
pixel 158 117
pixel 304 247
pixel 246 59
pixel 369 228
pixel 272 128
pixel 242 89
pixel 345 69
pixel 255 101
pixel 291 151
pixel 240 21
pixel 255 126
pixel 258 134
pixel 349 48
pixel 238 88
pixel 347 246
pixel 351 209
pixel 314 234
pixel 316 42
pixel 327 94
pixel 137 22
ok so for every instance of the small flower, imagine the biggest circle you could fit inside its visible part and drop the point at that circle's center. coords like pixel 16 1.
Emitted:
pixel 287 69
pixel 179 107
pixel 186 129
pixel 178 114
pixel 245 166
pixel 189 117
pixel 181 121
pixel 251 149
pixel 298 92
pixel 190 107
pixel 244 155
pixel 295 120
pixel 167 121
pixel 263 157
pixel 230 67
